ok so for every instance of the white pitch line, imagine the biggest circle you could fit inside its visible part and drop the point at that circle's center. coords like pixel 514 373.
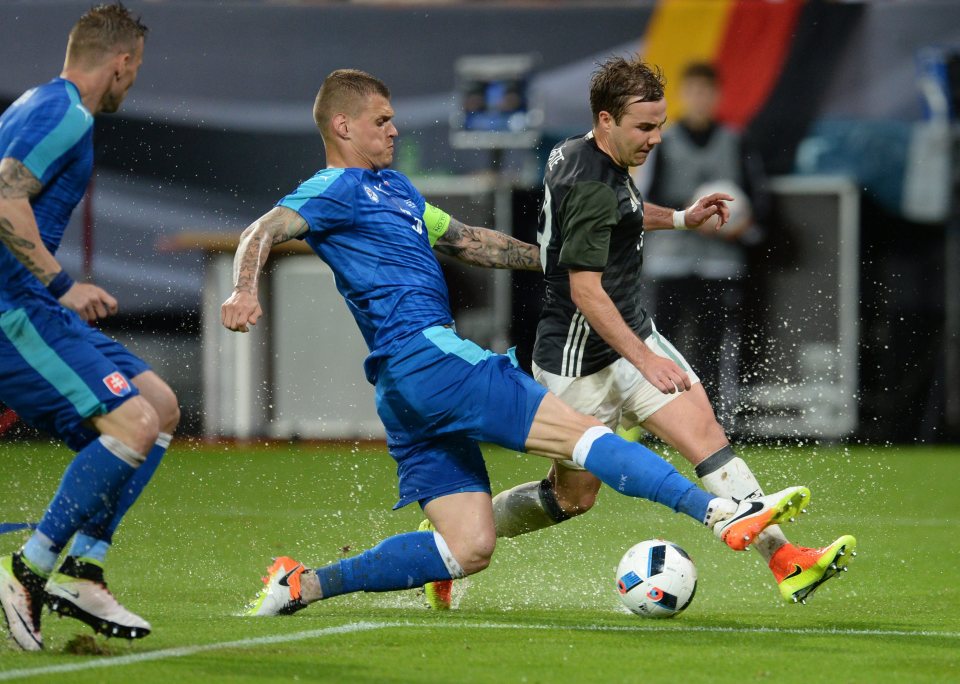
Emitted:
pixel 354 627
pixel 182 651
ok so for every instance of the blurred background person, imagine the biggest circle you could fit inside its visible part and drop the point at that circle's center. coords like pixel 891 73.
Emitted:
pixel 696 278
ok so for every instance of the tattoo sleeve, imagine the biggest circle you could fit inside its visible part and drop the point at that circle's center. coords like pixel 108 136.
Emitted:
pixel 16 181
pixel 18 225
pixel 278 225
pixel 487 248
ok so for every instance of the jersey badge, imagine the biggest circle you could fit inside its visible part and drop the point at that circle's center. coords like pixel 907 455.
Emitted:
pixel 117 384
pixel 371 194
pixel 556 156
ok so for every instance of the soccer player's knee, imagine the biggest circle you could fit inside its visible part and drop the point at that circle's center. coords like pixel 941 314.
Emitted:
pixel 168 411
pixel 139 425
pixel 477 552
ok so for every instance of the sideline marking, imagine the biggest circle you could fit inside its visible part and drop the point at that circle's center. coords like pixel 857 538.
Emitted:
pixel 355 627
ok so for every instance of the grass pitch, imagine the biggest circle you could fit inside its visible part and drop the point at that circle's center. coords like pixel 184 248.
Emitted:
pixel 190 555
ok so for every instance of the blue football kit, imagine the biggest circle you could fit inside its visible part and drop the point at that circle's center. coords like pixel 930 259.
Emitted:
pixel 437 394
pixel 55 370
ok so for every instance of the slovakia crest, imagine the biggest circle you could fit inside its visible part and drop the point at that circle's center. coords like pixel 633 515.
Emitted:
pixel 374 197
pixel 117 384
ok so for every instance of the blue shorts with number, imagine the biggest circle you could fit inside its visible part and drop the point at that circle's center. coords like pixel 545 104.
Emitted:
pixel 439 396
pixel 56 371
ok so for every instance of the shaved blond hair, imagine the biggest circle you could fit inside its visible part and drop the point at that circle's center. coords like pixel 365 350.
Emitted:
pixel 104 31
pixel 345 92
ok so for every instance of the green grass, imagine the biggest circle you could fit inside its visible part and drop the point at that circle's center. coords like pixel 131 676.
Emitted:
pixel 191 553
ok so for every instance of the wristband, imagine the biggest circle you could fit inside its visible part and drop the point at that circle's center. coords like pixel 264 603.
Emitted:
pixel 680 219
pixel 60 284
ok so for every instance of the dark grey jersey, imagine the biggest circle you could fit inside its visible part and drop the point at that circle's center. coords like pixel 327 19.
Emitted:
pixel 592 220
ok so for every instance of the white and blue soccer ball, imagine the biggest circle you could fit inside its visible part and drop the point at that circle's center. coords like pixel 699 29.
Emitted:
pixel 656 579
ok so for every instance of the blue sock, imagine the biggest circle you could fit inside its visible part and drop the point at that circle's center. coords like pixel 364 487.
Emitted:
pixel 94 539
pixel 634 470
pixel 90 482
pixel 403 561
pixel 89 548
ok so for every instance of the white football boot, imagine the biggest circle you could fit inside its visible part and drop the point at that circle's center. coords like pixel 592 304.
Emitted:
pixel 754 515
pixel 78 590
pixel 21 595
pixel 281 593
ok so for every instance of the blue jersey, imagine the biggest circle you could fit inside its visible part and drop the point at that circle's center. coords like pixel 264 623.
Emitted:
pixel 51 133
pixel 368 227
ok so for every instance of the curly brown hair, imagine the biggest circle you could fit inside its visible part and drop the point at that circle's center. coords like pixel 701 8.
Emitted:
pixel 618 81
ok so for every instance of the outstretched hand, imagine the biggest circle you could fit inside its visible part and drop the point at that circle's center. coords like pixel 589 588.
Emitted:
pixel 89 301
pixel 710 212
pixel 240 311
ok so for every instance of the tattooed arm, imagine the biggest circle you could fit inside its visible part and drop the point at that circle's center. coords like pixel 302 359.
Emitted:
pixel 487 248
pixel 18 225
pixel 242 308
pixel 20 234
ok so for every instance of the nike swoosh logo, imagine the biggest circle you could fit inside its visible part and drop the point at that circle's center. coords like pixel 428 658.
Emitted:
pixel 74 594
pixel 283 580
pixel 796 571
pixel 28 626
pixel 755 506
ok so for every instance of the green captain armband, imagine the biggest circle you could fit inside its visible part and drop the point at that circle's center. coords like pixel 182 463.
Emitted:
pixel 436 220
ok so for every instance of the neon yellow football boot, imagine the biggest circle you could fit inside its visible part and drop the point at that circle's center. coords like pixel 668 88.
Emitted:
pixel 800 570
pixel 439 594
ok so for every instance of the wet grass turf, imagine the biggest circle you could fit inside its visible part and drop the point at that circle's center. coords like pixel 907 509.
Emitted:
pixel 191 553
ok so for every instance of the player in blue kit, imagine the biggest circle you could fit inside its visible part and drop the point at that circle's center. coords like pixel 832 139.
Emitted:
pixel 56 371
pixel 437 394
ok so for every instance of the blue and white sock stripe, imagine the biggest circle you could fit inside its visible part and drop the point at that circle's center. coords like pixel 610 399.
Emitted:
pixel 585 443
pixel 453 566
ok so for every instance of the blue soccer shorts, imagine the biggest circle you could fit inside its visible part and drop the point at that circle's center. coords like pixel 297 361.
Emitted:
pixel 56 371
pixel 439 396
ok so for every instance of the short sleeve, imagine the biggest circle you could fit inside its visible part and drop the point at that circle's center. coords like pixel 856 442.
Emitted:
pixel 47 136
pixel 587 215
pixel 325 201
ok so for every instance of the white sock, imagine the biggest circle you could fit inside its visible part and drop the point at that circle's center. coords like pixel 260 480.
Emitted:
pixel 528 507
pixel 719 509
pixel 726 474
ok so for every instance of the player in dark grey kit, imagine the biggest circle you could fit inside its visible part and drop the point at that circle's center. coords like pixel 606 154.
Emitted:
pixel 596 347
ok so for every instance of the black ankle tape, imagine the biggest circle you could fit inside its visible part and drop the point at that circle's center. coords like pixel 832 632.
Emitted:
pixel 33 582
pixel 715 461
pixel 550 504
pixel 74 567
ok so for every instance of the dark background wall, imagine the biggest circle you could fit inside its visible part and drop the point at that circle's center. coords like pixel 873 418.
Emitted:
pixel 219 127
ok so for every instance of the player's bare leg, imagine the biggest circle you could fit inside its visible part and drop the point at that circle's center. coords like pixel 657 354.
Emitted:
pixel 465 521
pixel 688 424
pixel 558 432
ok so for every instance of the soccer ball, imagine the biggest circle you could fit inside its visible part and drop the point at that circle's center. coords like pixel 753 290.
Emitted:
pixel 656 579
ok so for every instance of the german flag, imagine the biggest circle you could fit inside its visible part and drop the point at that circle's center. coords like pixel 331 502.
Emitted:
pixel 773 56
